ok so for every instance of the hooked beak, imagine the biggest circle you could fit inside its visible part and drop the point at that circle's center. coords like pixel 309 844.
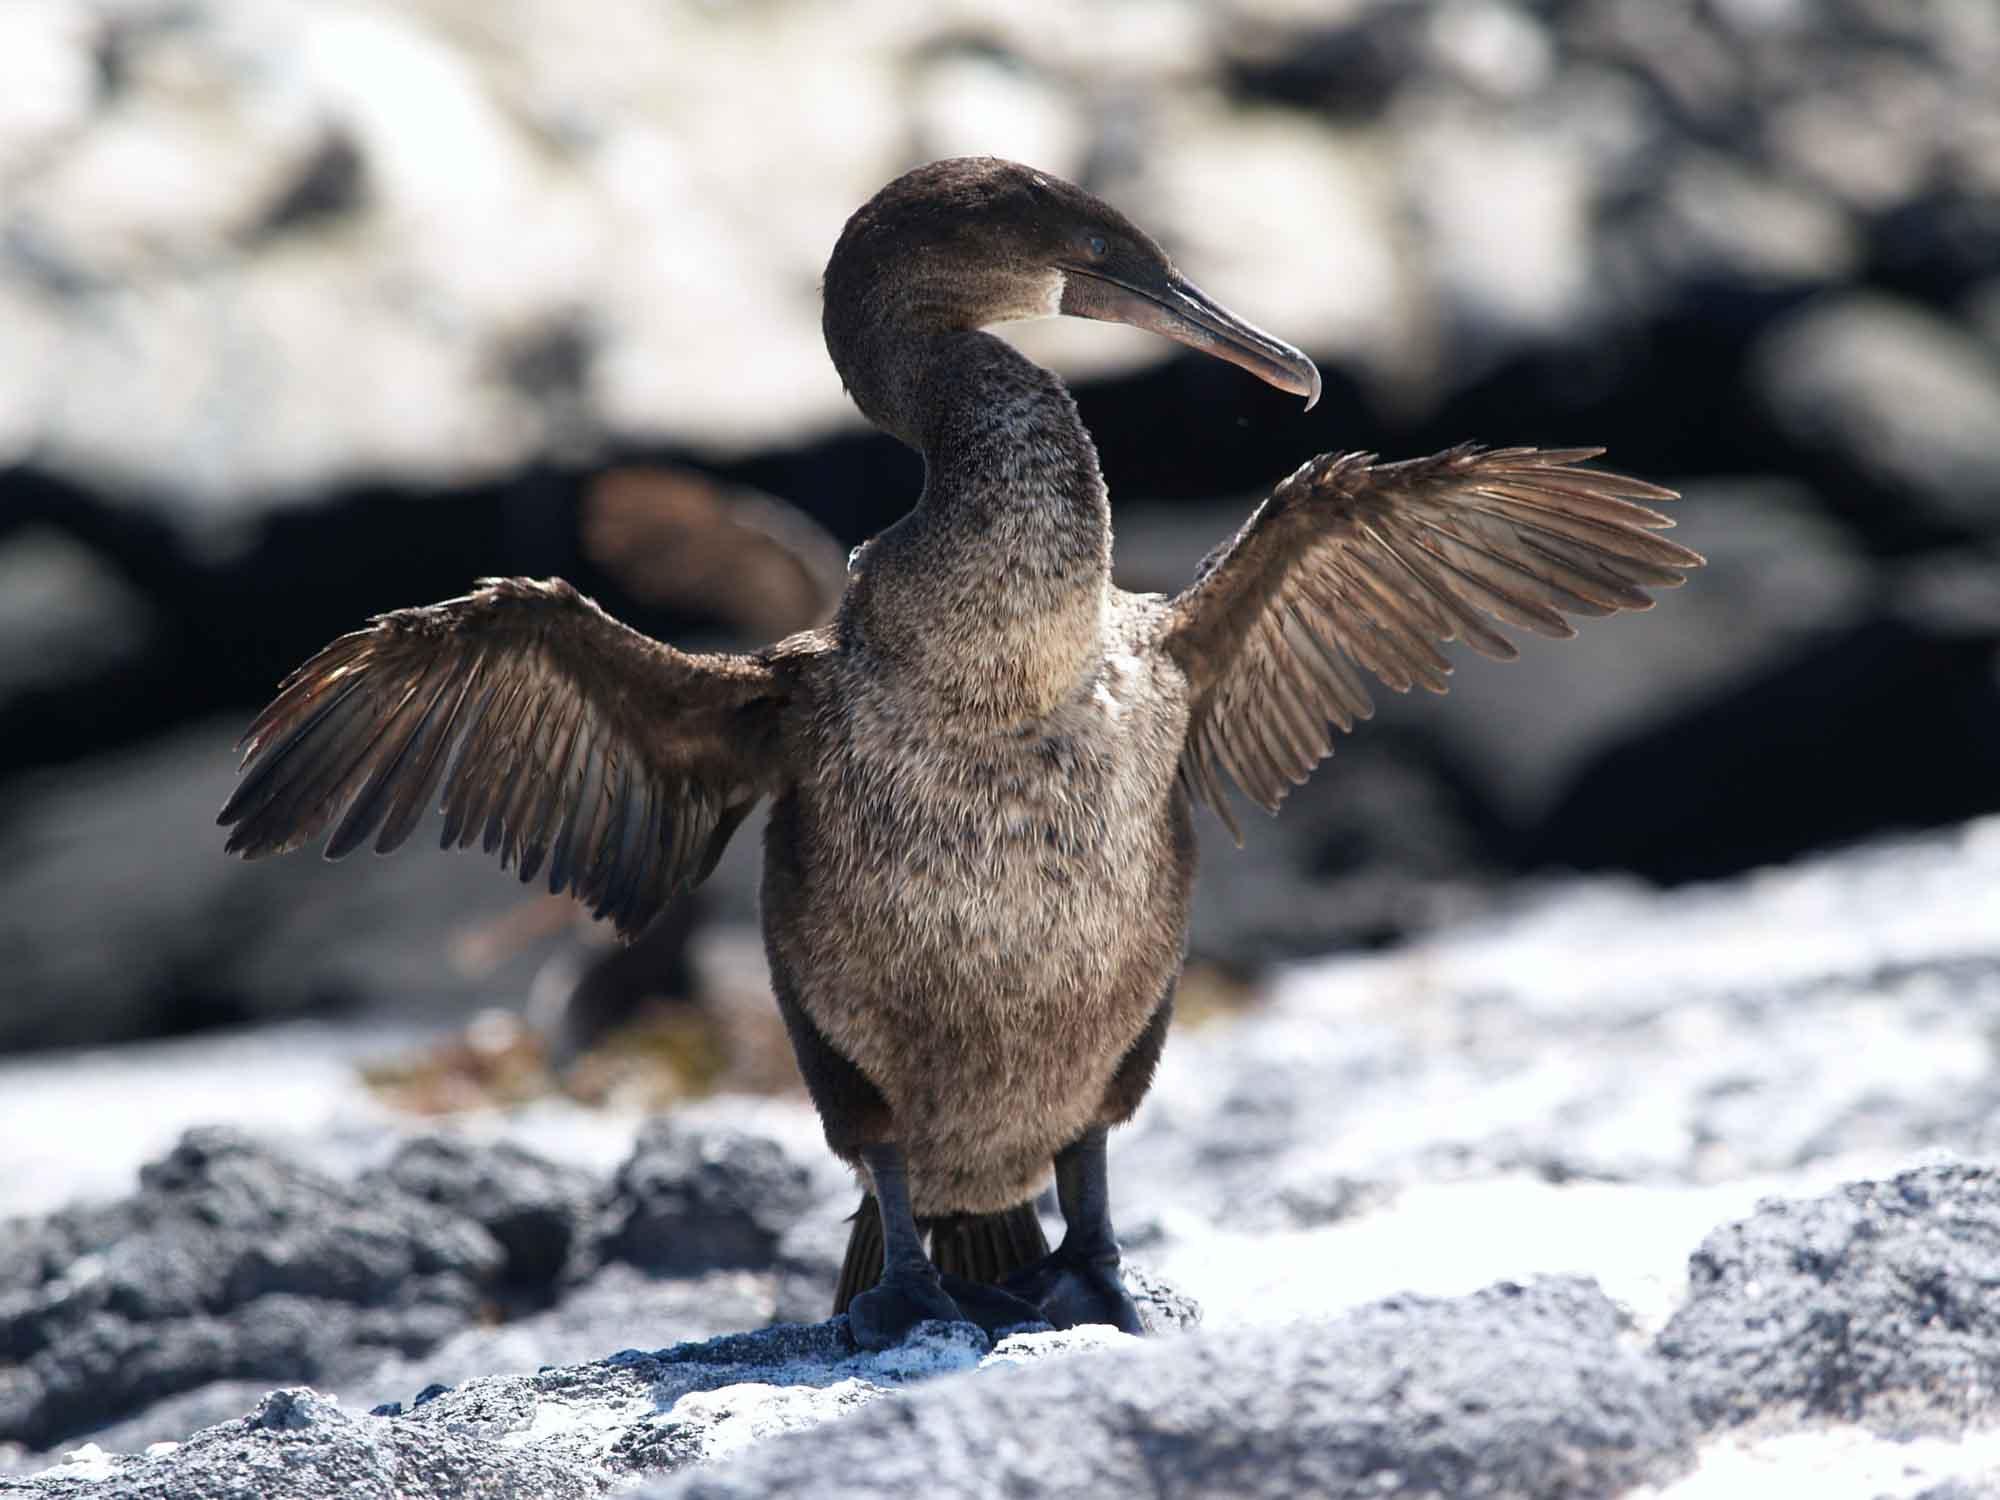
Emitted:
pixel 1182 311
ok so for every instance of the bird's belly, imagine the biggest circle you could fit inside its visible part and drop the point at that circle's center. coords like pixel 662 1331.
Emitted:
pixel 985 928
pixel 989 893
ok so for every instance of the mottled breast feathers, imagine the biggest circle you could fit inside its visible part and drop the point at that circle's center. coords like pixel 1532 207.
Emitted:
pixel 545 729
pixel 1351 563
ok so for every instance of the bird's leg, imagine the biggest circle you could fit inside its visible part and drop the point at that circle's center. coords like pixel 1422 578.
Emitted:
pixel 1079 1281
pixel 1083 1191
pixel 909 1292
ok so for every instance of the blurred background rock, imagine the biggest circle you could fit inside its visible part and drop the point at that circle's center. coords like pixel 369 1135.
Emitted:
pixel 311 310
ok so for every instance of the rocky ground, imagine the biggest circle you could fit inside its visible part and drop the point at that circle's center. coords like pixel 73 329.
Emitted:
pixel 1614 1192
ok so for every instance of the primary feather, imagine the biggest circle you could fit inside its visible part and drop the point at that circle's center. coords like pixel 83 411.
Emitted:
pixel 545 730
pixel 1353 563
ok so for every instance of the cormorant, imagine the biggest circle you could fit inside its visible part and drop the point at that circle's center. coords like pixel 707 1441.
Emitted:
pixel 983 772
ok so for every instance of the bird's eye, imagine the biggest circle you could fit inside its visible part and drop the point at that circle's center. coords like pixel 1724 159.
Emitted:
pixel 1095 244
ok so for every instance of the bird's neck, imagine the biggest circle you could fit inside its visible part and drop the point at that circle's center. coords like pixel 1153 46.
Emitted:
pixel 991 594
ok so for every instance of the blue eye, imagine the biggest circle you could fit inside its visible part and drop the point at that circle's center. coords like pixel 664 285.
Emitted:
pixel 1096 244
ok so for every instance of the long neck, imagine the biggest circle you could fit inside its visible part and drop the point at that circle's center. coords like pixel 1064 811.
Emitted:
pixel 989 596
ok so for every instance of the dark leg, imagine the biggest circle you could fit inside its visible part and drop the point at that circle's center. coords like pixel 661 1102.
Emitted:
pixel 851 1108
pixel 1079 1281
pixel 860 1128
pixel 1083 1192
pixel 909 1292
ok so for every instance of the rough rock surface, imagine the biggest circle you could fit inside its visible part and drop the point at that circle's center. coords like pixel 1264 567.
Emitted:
pixel 1396 1189
pixel 560 1433
pixel 539 1212
pixel 1590 1082
pixel 693 1197
pixel 235 1261
pixel 1878 1303
pixel 1518 1390
pixel 1962 1489
pixel 229 1262
pixel 299 1442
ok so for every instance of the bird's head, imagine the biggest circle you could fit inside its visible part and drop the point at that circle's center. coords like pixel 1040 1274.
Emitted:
pixel 975 241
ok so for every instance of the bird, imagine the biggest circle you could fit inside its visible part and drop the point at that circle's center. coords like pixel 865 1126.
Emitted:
pixel 983 772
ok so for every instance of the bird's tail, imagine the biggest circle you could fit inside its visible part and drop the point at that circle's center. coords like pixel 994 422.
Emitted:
pixel 984 1248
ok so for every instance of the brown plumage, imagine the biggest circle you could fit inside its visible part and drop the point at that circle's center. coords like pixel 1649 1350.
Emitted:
pixel 980 854
pixel 1352 563
pixel 518 706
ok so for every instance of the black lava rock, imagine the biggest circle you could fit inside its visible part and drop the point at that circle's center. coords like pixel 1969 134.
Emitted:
pixel 229 1262
pixel 1878 1303
pixel 1889 722
pixel 694 1198
pixel 541 1212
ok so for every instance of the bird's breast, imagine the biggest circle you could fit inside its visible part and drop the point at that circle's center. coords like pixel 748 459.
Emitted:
pixel 1030 855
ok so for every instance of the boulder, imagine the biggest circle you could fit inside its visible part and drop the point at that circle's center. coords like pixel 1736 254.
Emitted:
pixel 65 614
pixel 230 1262
pixel 1899 402
pixel 1524 1391
pixel 540 1213
pixel 1877 1303
pixel 694 1197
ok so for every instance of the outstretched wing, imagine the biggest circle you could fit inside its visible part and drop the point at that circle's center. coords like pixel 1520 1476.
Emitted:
pixel 545 729
pixel 1351 563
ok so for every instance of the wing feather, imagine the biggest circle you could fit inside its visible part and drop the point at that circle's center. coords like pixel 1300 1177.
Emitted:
pixel 541 728
pixel 1357 564
pixel 381 767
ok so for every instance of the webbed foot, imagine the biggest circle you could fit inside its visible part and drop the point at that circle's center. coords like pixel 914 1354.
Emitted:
pixel 883 1316
pixel 1078 1281
pixel 1071 1289
pixel 908 1291
pixel 993 1308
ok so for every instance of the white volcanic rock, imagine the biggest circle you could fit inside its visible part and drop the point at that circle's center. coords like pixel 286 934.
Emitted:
pixel 1905 399
pixel 253 248
pixel 1529 1389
